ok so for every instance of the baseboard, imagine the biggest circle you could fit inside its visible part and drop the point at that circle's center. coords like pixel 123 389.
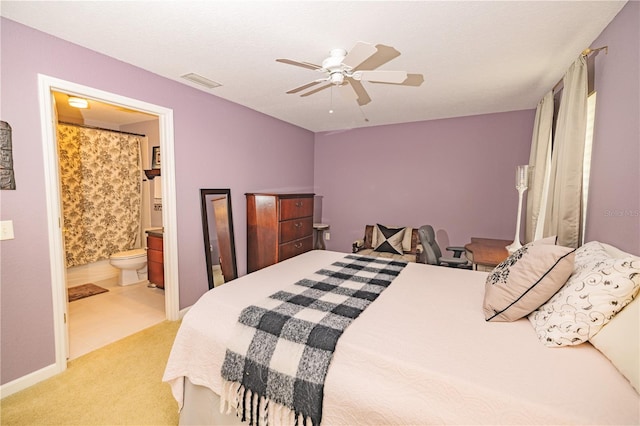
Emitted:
pixel 30 379
pixel 183 312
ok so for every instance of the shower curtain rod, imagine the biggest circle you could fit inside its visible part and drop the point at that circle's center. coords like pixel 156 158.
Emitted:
pixel 100 128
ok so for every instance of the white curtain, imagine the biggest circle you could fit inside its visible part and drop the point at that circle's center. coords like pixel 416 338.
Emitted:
pixel 539 166
pixel 558 205
pixel 564 206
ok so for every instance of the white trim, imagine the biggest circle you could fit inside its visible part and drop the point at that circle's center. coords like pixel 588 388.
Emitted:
pixel 30 379
pixel 52 186
pixel 184 311
pixel 586 165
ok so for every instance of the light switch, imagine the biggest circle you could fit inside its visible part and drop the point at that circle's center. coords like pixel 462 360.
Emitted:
pixel 6 230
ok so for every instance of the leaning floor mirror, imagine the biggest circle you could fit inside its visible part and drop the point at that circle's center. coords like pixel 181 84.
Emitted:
pixel 217 228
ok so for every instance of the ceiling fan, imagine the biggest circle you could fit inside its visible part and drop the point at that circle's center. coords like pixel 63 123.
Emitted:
pixel 352 68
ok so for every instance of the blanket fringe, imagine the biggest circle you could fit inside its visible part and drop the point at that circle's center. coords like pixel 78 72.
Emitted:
pixel 256 409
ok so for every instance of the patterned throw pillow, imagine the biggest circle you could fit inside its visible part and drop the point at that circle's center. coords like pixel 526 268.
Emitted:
pixel 598 289
pixel 389 239
pixel 406 241
pixel 526 279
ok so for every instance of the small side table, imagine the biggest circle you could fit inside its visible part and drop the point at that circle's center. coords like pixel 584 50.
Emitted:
pixel 320 228
pixel 486 253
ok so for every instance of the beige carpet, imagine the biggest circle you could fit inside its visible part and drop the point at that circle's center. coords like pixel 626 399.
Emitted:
pixel 120 384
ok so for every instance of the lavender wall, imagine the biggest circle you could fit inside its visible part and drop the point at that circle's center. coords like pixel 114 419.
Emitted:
pixel 457 175
pixel 218 144
pixel 614 198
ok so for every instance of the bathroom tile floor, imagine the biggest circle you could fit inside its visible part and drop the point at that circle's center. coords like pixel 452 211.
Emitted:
pixel 104 318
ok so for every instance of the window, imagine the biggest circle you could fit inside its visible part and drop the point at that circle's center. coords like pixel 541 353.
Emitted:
pixel 586 165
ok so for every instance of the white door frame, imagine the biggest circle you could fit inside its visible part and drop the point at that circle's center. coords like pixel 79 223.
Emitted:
pixel 46 85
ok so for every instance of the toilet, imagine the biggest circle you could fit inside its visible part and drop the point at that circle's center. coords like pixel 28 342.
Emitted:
pixel 132 265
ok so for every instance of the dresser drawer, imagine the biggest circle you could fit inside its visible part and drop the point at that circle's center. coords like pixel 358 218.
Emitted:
pixel 292 208
pixel 295 248
pixel 295 229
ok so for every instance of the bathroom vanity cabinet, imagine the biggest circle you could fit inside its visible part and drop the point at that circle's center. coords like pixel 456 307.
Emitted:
pixel 155 266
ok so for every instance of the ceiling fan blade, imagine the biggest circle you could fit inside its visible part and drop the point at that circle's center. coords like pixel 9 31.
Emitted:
pixel 347 93
pixel 363 96
pixel 413 80
pixel 317 90
pixel 304 87
pixel 360 52
pixel 300 64
pixel 381 57
pixel 381 76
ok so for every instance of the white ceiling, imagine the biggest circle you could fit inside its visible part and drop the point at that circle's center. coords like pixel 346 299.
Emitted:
pixel 98 114
pixel 476 56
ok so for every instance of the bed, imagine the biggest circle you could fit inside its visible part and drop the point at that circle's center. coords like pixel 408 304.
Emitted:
pixel 422 353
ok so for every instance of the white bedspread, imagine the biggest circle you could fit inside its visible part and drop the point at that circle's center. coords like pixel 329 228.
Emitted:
pixel 420 354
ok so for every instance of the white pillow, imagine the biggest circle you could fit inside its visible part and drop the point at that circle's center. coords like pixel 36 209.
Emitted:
pixel 526 280
pixel 600 286
pixel 619 341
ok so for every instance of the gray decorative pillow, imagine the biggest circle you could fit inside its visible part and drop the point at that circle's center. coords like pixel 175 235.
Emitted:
pixel 525 280
pixel 389 239
pixel 600 286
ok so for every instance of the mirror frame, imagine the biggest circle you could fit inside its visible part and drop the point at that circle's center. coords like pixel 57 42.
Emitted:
pixel 205 230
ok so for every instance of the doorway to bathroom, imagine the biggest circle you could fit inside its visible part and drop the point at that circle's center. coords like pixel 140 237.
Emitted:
pixel 88 323
pixel 109 205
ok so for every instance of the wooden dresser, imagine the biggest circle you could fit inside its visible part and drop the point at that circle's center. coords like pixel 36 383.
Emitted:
pixel 155 263
pixel 279 226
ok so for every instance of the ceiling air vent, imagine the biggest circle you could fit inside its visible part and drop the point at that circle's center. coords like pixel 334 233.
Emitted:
pixel 198 79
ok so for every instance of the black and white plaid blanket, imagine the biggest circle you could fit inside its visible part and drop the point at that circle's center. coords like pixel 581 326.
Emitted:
pixel 276 363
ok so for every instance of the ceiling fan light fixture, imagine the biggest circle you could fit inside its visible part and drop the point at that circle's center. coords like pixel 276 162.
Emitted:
pixel 353 68
pixel 78 102
pixel 336 78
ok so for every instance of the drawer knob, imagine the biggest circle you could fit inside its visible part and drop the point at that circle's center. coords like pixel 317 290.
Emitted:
pixel 297 225
pixel 298 245
pixel 299 203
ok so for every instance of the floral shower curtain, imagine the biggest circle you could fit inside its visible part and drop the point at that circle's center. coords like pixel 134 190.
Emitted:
pixel 100 178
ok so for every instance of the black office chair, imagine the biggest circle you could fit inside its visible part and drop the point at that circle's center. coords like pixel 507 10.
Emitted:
pixel 432 255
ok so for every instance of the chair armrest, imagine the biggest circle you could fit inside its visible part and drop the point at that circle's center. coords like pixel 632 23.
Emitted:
pixel 457 251
pixel 454 261
pixel 419 255
pixel 357 245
